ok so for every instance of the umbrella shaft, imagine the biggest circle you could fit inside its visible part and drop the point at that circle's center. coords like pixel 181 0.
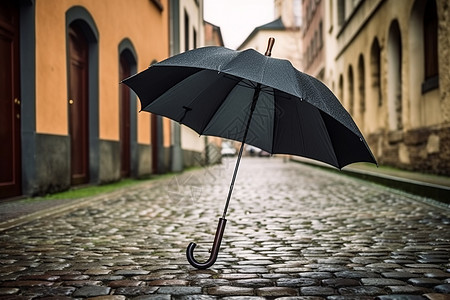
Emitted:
pixel 254 100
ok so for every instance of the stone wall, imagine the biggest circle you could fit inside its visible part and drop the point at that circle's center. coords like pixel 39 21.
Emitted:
pixel 425 149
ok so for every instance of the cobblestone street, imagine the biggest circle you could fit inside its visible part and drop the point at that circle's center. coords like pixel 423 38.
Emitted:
pixel 293 231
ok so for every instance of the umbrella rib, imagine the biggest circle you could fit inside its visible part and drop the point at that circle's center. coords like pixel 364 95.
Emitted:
pixel 213 114
pixel 188 108
pixel 275 120
pixel 210 118
pixel 329 138
pixel 268 90
pixel 242 83
pixel 301 129
pixel 327 135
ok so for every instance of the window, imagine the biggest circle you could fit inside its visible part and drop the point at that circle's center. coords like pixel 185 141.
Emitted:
pixel 430 47
pixel 194 38
pixel 341 12
pixel 350 90
pixel 394 52
pixel 297 13
pixel 361 86
pixel 186 31
pixel 320 35
pixel 375 70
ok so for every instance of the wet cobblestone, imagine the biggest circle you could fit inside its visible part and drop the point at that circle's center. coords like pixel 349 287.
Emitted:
pixel 293 232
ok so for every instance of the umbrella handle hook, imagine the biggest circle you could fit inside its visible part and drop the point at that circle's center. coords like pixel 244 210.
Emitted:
pixel 214 252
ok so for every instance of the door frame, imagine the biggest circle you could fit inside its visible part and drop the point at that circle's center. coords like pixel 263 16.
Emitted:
pixel 87 25
pixel 124 117
pixel 127 45
pixel 27 58
pixel 12 31
pixel 78 104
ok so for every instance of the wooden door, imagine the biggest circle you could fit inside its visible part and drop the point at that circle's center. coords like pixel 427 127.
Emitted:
pixel 78 106
pixel 10 132
pixel 125 111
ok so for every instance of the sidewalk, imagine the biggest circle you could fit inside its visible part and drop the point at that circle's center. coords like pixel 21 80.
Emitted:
pixel 425 185
pixel 16 212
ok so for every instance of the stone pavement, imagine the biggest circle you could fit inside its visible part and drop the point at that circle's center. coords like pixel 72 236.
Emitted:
pixel 293 232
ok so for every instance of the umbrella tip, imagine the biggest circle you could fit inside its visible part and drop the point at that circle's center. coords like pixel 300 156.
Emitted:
pixel 270 46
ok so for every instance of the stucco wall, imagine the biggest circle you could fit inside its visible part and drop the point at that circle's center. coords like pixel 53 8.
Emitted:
pixel 142 23
pixel 194 10
pixel 139 26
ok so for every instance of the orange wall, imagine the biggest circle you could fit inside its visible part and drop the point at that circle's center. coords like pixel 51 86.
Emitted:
pixel 167 129
pixel 138 20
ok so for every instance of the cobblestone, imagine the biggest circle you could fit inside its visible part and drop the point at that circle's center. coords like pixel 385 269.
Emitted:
pixel 293 232
pixel 91 291
pixel 230 291
pixel 276 291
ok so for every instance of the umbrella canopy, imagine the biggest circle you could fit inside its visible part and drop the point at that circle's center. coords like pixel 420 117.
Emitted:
pixel 254 99
pixel 211 90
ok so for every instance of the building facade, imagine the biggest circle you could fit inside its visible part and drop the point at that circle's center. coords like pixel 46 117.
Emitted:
pixel 286 31
pixel 213 35
pixel 66 120
pixel 313 38
pixel 186 33
pixel 388 62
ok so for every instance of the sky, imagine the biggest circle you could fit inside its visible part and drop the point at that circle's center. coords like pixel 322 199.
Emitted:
pixel 238 18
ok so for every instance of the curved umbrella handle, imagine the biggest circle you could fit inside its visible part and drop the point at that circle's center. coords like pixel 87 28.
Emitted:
pixel 214 252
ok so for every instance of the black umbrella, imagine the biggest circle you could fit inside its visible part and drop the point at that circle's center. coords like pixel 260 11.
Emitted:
pixel 255 99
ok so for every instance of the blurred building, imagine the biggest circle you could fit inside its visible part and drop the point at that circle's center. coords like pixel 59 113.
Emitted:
pixel 186 33
pixel 213 35
pixel 313 38
pixel 286 31
pixel 65 119
pixel 388 62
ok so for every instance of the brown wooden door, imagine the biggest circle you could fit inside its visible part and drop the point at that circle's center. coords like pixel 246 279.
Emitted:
pixel 10 149
pixel 78 106
pixel 125 152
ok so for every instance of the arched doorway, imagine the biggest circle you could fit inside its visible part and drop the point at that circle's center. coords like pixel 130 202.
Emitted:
pixel 127 67
pixel 78 105
pixel 351 96
pixel 375 100
pixel 124 119
pixel 361 92
pixel 82 92
pixel 395 77
pixel 423 51
pixel 375 71
pixel 341 88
